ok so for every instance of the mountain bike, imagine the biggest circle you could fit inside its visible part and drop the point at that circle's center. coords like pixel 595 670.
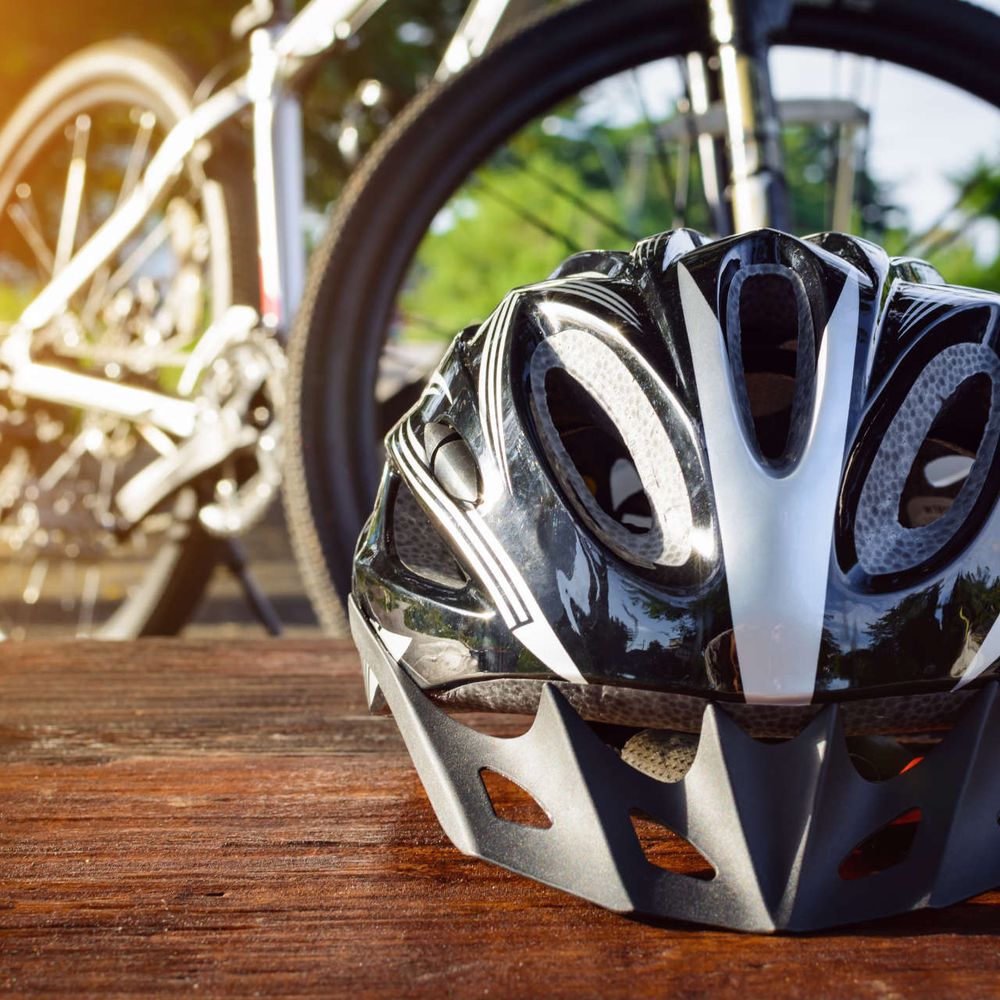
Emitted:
pixel 142 336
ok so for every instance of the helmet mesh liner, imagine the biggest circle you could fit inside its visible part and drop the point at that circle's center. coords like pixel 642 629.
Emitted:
pixel 882 543
pixel 661 753
pixel 638 707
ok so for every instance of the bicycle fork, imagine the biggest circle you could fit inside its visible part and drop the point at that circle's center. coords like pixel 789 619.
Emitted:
pixel 747 158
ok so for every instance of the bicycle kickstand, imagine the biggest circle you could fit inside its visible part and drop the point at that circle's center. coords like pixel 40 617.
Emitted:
pixel 239 565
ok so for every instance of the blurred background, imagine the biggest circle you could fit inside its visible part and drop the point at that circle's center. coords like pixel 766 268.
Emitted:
pixel 610 165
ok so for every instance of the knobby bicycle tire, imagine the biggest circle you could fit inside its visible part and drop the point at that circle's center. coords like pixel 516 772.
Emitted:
pixel 139 75
pixel 334 454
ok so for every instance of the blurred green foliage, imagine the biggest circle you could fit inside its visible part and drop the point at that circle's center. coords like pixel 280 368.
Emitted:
pixel 951 244
pixel 545 195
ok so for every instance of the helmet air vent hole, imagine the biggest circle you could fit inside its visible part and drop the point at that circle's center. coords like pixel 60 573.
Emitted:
pixel 511 802
pixel 668 850
pixel 879 758
pixel 945 457
pixel 912 506
pixel 770 336
pixel 610 432
pixel 500 725
pixel 886 848
pixel 771 341
pixel 598 451
pixel 418 544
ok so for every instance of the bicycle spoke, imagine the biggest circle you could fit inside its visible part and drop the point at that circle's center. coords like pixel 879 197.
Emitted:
pixel 420 322
pixel 88 600
pixel 28 229
pixel 76 177
pixel 36 579
pixel 525 215
pixel 130 266
pixel 942 240
pixel 137 155
pixel 95 295
pixel 662 157
pixel 571 196
pixel 105 487
pixel 65 462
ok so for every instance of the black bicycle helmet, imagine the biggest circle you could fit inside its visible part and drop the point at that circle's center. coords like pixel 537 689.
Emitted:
pixel 724 516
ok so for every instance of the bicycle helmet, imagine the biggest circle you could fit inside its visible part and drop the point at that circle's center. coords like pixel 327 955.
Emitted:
pixel 722 516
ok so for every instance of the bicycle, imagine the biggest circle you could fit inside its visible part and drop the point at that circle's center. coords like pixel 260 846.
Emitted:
pixel 176 434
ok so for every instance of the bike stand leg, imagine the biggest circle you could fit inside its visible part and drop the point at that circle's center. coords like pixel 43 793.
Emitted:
pixel 263 609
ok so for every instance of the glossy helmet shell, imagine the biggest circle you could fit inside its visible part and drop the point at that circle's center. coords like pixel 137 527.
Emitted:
pixel 707 487
pixel 700 471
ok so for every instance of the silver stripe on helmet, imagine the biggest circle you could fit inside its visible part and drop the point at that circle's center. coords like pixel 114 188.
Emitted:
pixel 488 560
pixel 679 243
pixel 675 243
pixel 594 288
pixel 591 289
pixel 490 385
pixel 421 482
pixel 436 385
pixel 777 531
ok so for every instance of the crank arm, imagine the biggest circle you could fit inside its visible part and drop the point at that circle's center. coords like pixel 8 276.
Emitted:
pixel 214 441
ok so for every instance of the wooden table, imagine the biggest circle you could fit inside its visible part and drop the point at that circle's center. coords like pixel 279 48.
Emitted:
pixel 201 818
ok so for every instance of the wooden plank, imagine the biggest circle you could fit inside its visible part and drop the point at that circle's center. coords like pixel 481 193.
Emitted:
pixel 206 818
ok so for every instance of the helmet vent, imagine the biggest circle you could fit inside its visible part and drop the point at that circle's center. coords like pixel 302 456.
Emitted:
pixel 598 452
pixel 418 544
pixel 946 455
pixel 669 850
pixel 771 341
pixel 951 411
pixel 879 758
pixel 512 803
pixel 884 849
pixel 452 463
pixel 608 446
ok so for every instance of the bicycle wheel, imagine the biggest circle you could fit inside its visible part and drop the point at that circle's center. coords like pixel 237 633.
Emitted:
pixel 73 149
pixel 451 157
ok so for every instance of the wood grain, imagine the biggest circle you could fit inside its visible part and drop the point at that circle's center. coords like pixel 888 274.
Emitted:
pixel 206 818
